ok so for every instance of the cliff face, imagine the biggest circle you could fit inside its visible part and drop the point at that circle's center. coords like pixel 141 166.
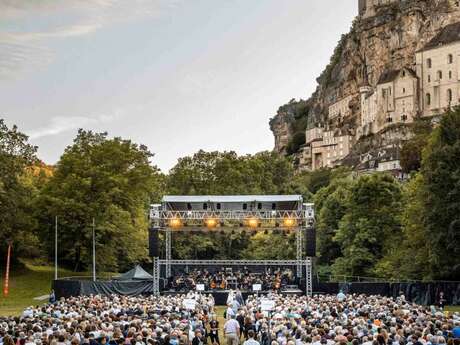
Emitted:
pixel 375 44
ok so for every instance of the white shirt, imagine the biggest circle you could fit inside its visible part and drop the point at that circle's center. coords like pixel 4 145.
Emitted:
pixel 251 341
pixel 231 326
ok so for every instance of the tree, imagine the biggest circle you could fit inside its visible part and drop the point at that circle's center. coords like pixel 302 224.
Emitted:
pixel 409 257
pixel 227 173
pixel 370 225
pixel 16 223
pixel 331 206
pixel 411 152
pixel 111 181
pixel 221 173
pixel 441 205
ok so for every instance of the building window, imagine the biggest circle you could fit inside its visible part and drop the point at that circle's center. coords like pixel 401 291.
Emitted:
pixel 404 118
pixel 404 73
pixel 450 58
pixel 439 75
pixel 429 78
pixel 450 74
pixel 449 96
pixel 428 63
pixel 404 90
pixel 389 119
pixel 428 99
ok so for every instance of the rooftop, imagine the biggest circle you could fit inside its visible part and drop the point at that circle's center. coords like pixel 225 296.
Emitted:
pixel 390 75
pixel 450 34
pixel 231 198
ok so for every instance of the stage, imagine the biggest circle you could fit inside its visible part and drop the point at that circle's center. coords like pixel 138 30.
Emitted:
pixel 421 293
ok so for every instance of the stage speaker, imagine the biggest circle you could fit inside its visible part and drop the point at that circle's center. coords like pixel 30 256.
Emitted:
pixel 311 242
pixel 153 242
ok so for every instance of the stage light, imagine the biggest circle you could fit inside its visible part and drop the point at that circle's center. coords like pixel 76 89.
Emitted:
pixel 175 223
pixel 211 222
pixel 288 222
pixel 253 222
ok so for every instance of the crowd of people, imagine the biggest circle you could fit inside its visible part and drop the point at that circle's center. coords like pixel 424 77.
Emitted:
pixel 339 320
pixel 191 319
pixel 227 279
pixel 109 320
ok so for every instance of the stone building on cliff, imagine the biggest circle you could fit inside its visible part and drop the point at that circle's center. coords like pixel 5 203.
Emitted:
pixel 400 60
pixel 400 96
pixel 438 69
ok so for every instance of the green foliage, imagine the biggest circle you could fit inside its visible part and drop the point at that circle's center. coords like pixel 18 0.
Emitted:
pixel 220 173
pixel 326 76
pixel 16 193
pixel 299 111
pixel 297 140
pixel 370 209
pixel 227 173
pixel 269 246
pixel 110 180
pixel 331 205
pixel 441 203
pixel 408 259
pixel 411 152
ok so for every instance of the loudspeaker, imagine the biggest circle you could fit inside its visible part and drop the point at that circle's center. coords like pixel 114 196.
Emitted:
pixel 153 242
pixel 311 242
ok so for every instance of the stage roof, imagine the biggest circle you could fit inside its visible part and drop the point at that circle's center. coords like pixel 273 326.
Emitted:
pixel 231 198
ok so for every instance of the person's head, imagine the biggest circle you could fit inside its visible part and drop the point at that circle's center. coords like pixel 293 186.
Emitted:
pixel 251 333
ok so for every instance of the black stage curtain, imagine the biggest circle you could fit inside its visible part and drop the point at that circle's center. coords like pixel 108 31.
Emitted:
pixel 421 293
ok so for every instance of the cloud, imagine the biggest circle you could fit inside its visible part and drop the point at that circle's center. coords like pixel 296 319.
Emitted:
pixel 44 22
pixel 60 124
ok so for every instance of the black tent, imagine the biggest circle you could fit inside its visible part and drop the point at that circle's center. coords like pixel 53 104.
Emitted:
pixel 137 273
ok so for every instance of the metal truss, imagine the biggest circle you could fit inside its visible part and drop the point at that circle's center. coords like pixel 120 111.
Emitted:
pixel 168 252
pixel 308 277
pixel 230 262
pixel 231 215
pixel 156 276
pixel 299 251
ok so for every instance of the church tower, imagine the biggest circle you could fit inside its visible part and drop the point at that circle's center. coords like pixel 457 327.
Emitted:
pixel 362 4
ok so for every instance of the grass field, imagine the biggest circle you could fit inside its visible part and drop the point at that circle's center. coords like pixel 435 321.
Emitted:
pixel 26 283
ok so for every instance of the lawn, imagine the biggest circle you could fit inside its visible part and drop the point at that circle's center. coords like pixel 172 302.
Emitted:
pixel 453 308
pixel 27 282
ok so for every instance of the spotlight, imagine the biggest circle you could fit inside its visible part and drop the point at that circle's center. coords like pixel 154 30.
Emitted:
pixel 253 222
pixel 211 222
pixel 288 222
pixel 175 223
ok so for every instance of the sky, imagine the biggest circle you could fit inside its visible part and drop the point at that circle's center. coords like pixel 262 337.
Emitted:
pixel 175 75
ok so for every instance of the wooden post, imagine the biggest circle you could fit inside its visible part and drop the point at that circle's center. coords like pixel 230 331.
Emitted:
pixel 7 273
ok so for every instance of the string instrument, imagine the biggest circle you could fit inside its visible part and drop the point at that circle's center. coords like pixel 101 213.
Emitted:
pixel 223 284
pixel 277 282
